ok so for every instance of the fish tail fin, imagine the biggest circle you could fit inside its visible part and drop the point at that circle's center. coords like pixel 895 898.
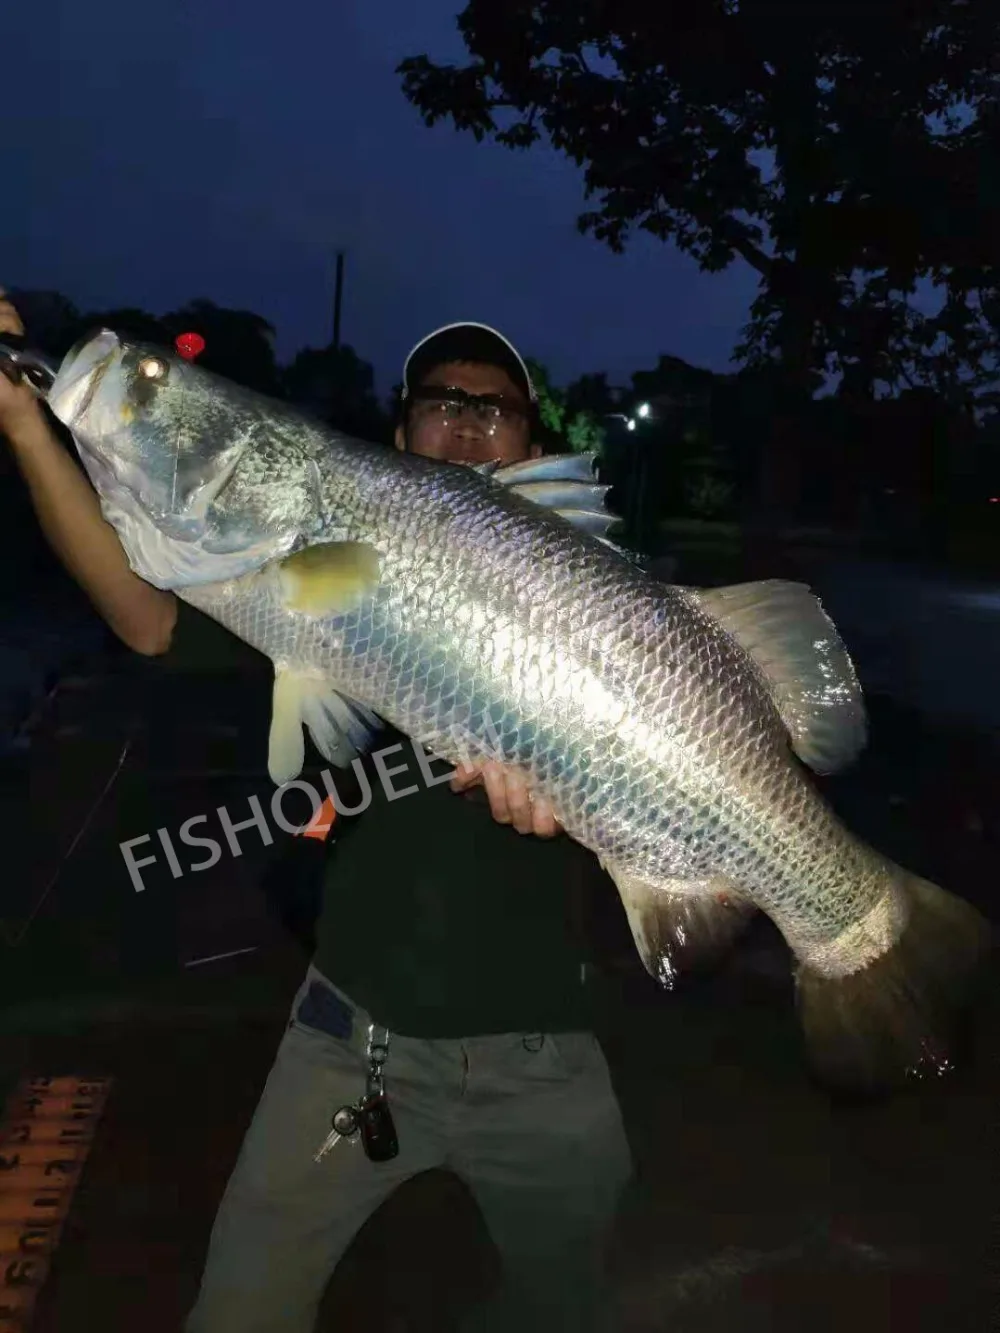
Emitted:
pixel 681 926
pixel 894 1018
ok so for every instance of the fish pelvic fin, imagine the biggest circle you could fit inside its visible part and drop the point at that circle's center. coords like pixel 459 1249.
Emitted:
pixel 340 727
pixel 681 926
pixel 329 578
pixel 880 1005
pixel 785 629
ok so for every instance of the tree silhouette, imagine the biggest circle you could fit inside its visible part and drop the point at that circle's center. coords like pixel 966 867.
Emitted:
pixel 843 151
pixel 336 385
pixel 238 343
pixel 130 322
pixel 52 320
pixel 591 393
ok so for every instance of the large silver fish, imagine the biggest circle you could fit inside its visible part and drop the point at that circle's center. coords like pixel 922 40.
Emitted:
pixel 480 614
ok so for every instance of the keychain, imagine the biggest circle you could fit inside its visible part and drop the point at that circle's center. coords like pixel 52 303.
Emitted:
pixel 370 1114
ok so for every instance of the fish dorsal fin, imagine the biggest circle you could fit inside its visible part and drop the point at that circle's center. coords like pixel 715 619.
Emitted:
pixel 564 484
pixel 594 521
pixel 341 728
pixel 784 628
pixel 563 495
pixel 548 467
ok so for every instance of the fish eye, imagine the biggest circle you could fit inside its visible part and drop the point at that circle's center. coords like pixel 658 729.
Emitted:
pixel 152 368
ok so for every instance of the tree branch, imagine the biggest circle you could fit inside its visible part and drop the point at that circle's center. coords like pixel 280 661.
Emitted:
pixel 754 256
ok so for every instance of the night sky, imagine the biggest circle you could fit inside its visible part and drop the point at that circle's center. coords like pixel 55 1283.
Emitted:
pixel 156 153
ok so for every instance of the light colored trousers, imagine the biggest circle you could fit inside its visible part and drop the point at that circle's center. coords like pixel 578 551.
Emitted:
pixel 529 1122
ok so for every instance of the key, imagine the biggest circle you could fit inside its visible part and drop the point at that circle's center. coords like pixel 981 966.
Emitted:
pixel 345 1126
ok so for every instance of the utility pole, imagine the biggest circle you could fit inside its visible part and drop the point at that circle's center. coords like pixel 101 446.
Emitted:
pixel 338 297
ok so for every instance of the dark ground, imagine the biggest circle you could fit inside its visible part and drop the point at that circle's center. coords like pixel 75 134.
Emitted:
pixel 760 1206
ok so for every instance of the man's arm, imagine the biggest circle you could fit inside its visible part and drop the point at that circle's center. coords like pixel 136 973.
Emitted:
pixel 69 514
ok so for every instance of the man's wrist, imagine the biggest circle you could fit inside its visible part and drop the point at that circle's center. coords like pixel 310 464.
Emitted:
pixel 23 427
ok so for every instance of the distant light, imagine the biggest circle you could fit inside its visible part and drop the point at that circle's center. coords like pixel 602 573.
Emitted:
pixel 630 423
pixel 643 410
pixel 995 499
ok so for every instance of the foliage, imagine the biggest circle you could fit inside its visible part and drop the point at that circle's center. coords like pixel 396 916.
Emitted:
pixel 707 494
pixel 573 429
pixel 591 393
pixel 238 343
pixel 844 151
pixel 52 320
pixel 335 384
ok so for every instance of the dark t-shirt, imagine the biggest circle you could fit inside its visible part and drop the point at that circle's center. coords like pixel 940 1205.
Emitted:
pixel 436 919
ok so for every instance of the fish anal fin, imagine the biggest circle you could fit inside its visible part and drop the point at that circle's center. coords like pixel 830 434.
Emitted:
pixel 784 628
pixel 681 925
pixel 340 727
pixel 329 578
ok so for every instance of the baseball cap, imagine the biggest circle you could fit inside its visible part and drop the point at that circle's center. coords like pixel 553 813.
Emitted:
pixel 466 340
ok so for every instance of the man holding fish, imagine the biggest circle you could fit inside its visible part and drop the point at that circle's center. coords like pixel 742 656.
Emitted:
pixel 483 611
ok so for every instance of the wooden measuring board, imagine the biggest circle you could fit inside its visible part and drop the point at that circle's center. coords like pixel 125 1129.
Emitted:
pixel 46 1133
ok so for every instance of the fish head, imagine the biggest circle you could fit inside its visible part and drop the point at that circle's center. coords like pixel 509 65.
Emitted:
pixel 202 479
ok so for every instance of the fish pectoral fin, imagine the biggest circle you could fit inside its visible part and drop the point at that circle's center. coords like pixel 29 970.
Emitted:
pixel 681 925
pixel 340 727
pixel 329 578
pixel 785 629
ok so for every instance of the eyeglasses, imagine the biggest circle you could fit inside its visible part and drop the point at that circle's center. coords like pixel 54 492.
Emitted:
pixel 447 405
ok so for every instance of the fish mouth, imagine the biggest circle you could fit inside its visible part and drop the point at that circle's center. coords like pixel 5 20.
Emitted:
pixel 80 375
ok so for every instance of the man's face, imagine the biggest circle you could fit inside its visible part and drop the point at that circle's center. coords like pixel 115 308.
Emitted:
pixel 453 433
